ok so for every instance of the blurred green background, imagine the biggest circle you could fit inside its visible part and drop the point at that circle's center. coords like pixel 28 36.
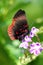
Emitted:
pixel 9 50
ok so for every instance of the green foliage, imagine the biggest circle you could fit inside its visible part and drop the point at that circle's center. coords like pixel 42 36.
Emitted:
pixel 9 50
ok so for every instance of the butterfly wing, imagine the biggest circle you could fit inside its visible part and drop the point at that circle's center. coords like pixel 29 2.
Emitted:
pixel 19 27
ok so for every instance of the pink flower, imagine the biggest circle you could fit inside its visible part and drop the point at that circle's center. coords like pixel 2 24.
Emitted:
pixel 27 39
pixel 33 32
pixel 35 48
pixel 23 45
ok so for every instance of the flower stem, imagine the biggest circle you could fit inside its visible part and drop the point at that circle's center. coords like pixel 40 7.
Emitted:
pixel 25 54
pixel 37 38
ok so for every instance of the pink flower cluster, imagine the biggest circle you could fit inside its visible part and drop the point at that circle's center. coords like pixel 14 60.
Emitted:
pixel 35 48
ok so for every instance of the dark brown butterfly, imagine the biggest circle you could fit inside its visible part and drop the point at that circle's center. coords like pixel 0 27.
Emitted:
pixel 19 27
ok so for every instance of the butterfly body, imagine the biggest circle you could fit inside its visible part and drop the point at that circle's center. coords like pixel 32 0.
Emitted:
pixel 19 27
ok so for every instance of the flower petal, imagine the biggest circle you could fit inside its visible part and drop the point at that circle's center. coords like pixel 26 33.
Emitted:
pixel 27 39
pixel 23 45
pixel 36 52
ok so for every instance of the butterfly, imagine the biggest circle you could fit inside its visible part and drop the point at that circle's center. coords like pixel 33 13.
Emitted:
pixel 19 27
